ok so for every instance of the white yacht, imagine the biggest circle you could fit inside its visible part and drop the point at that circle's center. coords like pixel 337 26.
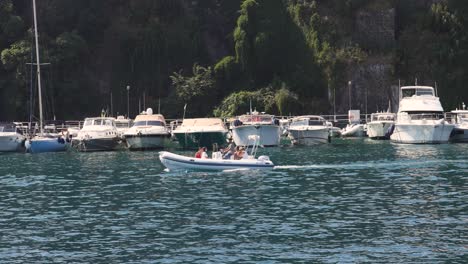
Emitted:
pixel 354 128
pixel 258 124
pixel 123 125
pixel 11 138
pixel 420 117
pixel 380 125
pixel 201 132
pixel 97 134
pixel 309 130
pixel 460 120
pixel 149 131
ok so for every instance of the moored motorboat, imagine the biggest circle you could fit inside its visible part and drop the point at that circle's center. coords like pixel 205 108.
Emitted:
pixel 97 134
pixel 149 131
pixel 201 132
pixel 309 130
pixel 266 127
pixel 420 118
pixel 460 131
pixel 11 138
pixel 380 125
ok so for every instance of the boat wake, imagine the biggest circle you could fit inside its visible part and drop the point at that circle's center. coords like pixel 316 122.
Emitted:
pixel 366 165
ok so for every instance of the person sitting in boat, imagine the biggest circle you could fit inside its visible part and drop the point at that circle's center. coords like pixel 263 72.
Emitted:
pixel 204 155
pixel 229 150
pixel 239 154
pixel 198 154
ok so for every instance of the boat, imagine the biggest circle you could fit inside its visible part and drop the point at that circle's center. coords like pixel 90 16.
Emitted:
pixel 97 134
pixel 43 142
pixel 309 130
pixel 420 118
pixel 11 138
pixel 201 132
pixel 265 126
pixel 174 161
pixel 460 131
pixel 380 125
pixel 149 131
pixel 354 128
pixel 123 125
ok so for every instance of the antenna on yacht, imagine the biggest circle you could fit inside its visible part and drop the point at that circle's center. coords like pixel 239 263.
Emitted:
pixel 416 81
pixel 159 105
pixel 399 90
pixel 185 107
pixel 436 91
pixel 250 106
pixel 463 105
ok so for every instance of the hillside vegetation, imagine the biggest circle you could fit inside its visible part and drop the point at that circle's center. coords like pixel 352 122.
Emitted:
pixel 286 56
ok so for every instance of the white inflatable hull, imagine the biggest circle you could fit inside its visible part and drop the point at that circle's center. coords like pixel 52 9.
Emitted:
pixel 356 130
pixel 270 135
pixel 429 132
pixel 178 162
pixel 309 136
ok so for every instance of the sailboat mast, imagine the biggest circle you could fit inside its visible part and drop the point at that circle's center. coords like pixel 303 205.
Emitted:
pixel 41 117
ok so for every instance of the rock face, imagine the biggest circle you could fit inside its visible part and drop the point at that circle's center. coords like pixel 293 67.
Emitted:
pixel 375 30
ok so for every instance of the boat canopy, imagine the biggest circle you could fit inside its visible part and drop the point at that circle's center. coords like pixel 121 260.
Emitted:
pixel 202 122
pixel 308 121
pixel 409 91
pixel 257 119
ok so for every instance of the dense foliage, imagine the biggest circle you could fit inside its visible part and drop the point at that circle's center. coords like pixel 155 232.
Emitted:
pixel 286 56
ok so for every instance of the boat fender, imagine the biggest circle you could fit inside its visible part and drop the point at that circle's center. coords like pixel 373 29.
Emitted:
pixel 263 158
pixel 390 131
pixel 61 140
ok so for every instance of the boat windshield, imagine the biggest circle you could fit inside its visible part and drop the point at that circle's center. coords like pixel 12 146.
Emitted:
pixel 149 123
pixel 426 115
pixel 256 119
pixel 417 91
pixel 98 122
pixel 383 118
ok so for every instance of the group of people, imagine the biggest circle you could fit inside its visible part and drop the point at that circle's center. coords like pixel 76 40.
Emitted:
pixel 230 152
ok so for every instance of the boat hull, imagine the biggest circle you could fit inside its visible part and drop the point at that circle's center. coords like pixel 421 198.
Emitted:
pixel 97 144
pixel 141 142
pixel 269 135
pixel 378 130
pixel 195 140
pixel 41 145
pixel 11 143
pixel 308 136
pixel 429 133
pixel 459 135
pixel 178 162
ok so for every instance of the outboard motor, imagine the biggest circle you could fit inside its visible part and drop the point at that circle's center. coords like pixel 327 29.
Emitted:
pixel 263 158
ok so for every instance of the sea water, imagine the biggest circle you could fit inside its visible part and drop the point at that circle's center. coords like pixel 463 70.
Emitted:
pixel 351 201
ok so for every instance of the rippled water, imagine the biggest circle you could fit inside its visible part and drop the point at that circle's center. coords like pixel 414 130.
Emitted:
pixel 351 201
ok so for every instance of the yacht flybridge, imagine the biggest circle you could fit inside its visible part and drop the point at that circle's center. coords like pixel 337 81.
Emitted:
pixel 420 118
